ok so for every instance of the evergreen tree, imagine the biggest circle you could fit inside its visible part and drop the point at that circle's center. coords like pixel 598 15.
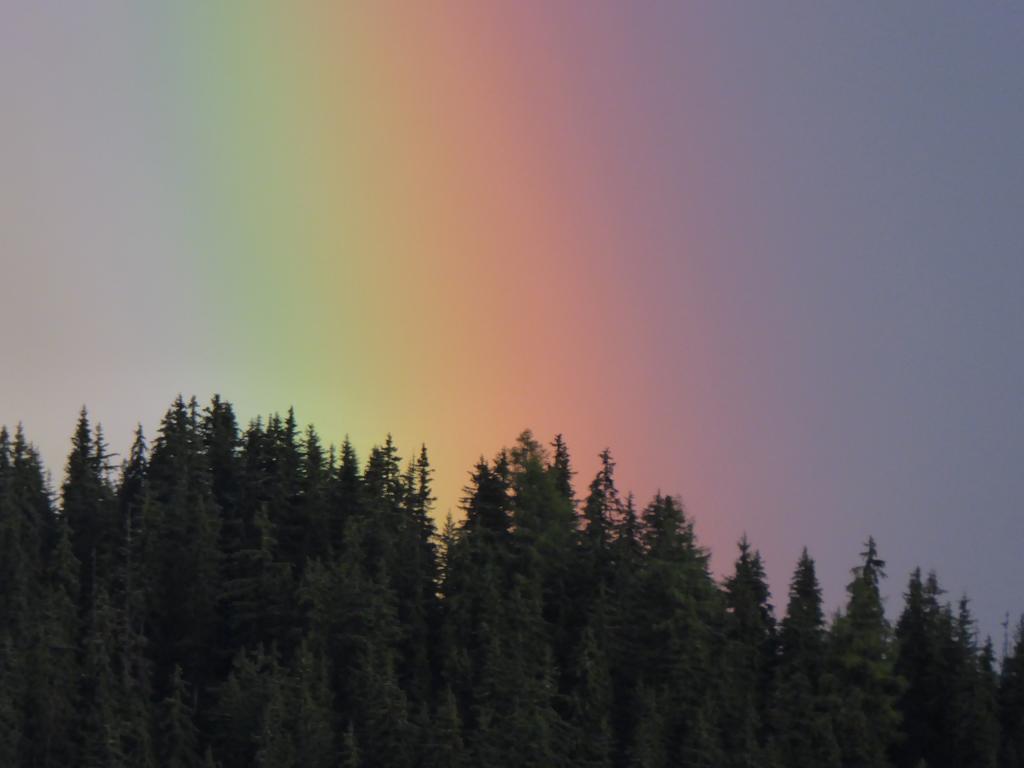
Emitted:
pixel 676 616
pixel 11 712
pixel 486 502
pixel 922 630
pixel 52 672
pixel 87 504
pixel 748 658
pixel 800 720
pixel 415 580
pixel 346 498
pixel 1011 704
pixel 561 470
pixel 179 738
pixel 602 508
pixel 602 512
pixel 867 719
pixel 647 749
pixel 99 707
pixel 973 731
pixel 447 749
pixel 275 743
pixel 184 563
pixel 312 711
pixel 248 600
pixel 590 711
pixel 26 528
pixel 242 706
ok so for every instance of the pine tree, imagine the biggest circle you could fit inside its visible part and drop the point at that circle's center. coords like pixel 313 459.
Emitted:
pixel 972 726
pixel 100 728
pixel 414 581
pixel 242 706
pixel 259 604
pixel 602 508
pixel 133 671
pixel 1011 704
pixel 275 743
pixel 561 471
pixel 314 498
pixel 87 504
pixel 545 546
pixel 52 668
pixel 312 710
pixel 748 657
pixel 486 502
pixel 602 512
pixel 11 692
pixel 675 617
pixel 522 636
pixel 800 720
pixel 867 720
pixel 346 498
pixel 921 632
pixel 385 721
pixel 179 738
pixel 648 749
pixel 26 529
pixel 447 749
pixel 590 708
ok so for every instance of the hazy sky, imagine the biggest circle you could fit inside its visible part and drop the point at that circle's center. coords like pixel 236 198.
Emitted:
pixel 772 254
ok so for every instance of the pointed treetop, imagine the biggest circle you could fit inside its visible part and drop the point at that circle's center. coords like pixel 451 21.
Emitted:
pixel 561 468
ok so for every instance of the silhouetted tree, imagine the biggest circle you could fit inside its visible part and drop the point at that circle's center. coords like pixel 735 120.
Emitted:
pixel 249 598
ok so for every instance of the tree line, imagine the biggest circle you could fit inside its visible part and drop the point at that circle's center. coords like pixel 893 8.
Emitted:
pixel 241 597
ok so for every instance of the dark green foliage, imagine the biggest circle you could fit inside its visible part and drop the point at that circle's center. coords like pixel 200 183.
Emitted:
pixel 88 505
pixel 867 721
pixel 179 741
pixel 800 717
pixel 252 598
pixel 446 748
pixel 948 704
pixel 1011 704
pixel 52 667
pixel 748 658
pixel 11 692
pixel 602 508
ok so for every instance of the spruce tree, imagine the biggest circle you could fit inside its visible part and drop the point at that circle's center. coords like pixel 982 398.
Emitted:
pixel 602 508
pixel 87 504
pixel 346 496
pixel 248 600
pixel 179 738
pixel 53 670
pixel 801 731
pixel 11 711
pixel 590 710
pixel 312 709
pixel 648 744
pixel 1011 704
pixel 675 618
pixel 184 565
pixel 561 471
pixel 748 658
pixel 99 708
pixel 922 632
pixel 242 705
pixel 867 721
pixel 447 748
pixel 415 580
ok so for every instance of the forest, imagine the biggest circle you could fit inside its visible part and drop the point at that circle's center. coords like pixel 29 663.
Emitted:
pixel 231 596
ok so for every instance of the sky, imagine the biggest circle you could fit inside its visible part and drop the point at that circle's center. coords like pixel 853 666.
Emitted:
pixel 772 255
